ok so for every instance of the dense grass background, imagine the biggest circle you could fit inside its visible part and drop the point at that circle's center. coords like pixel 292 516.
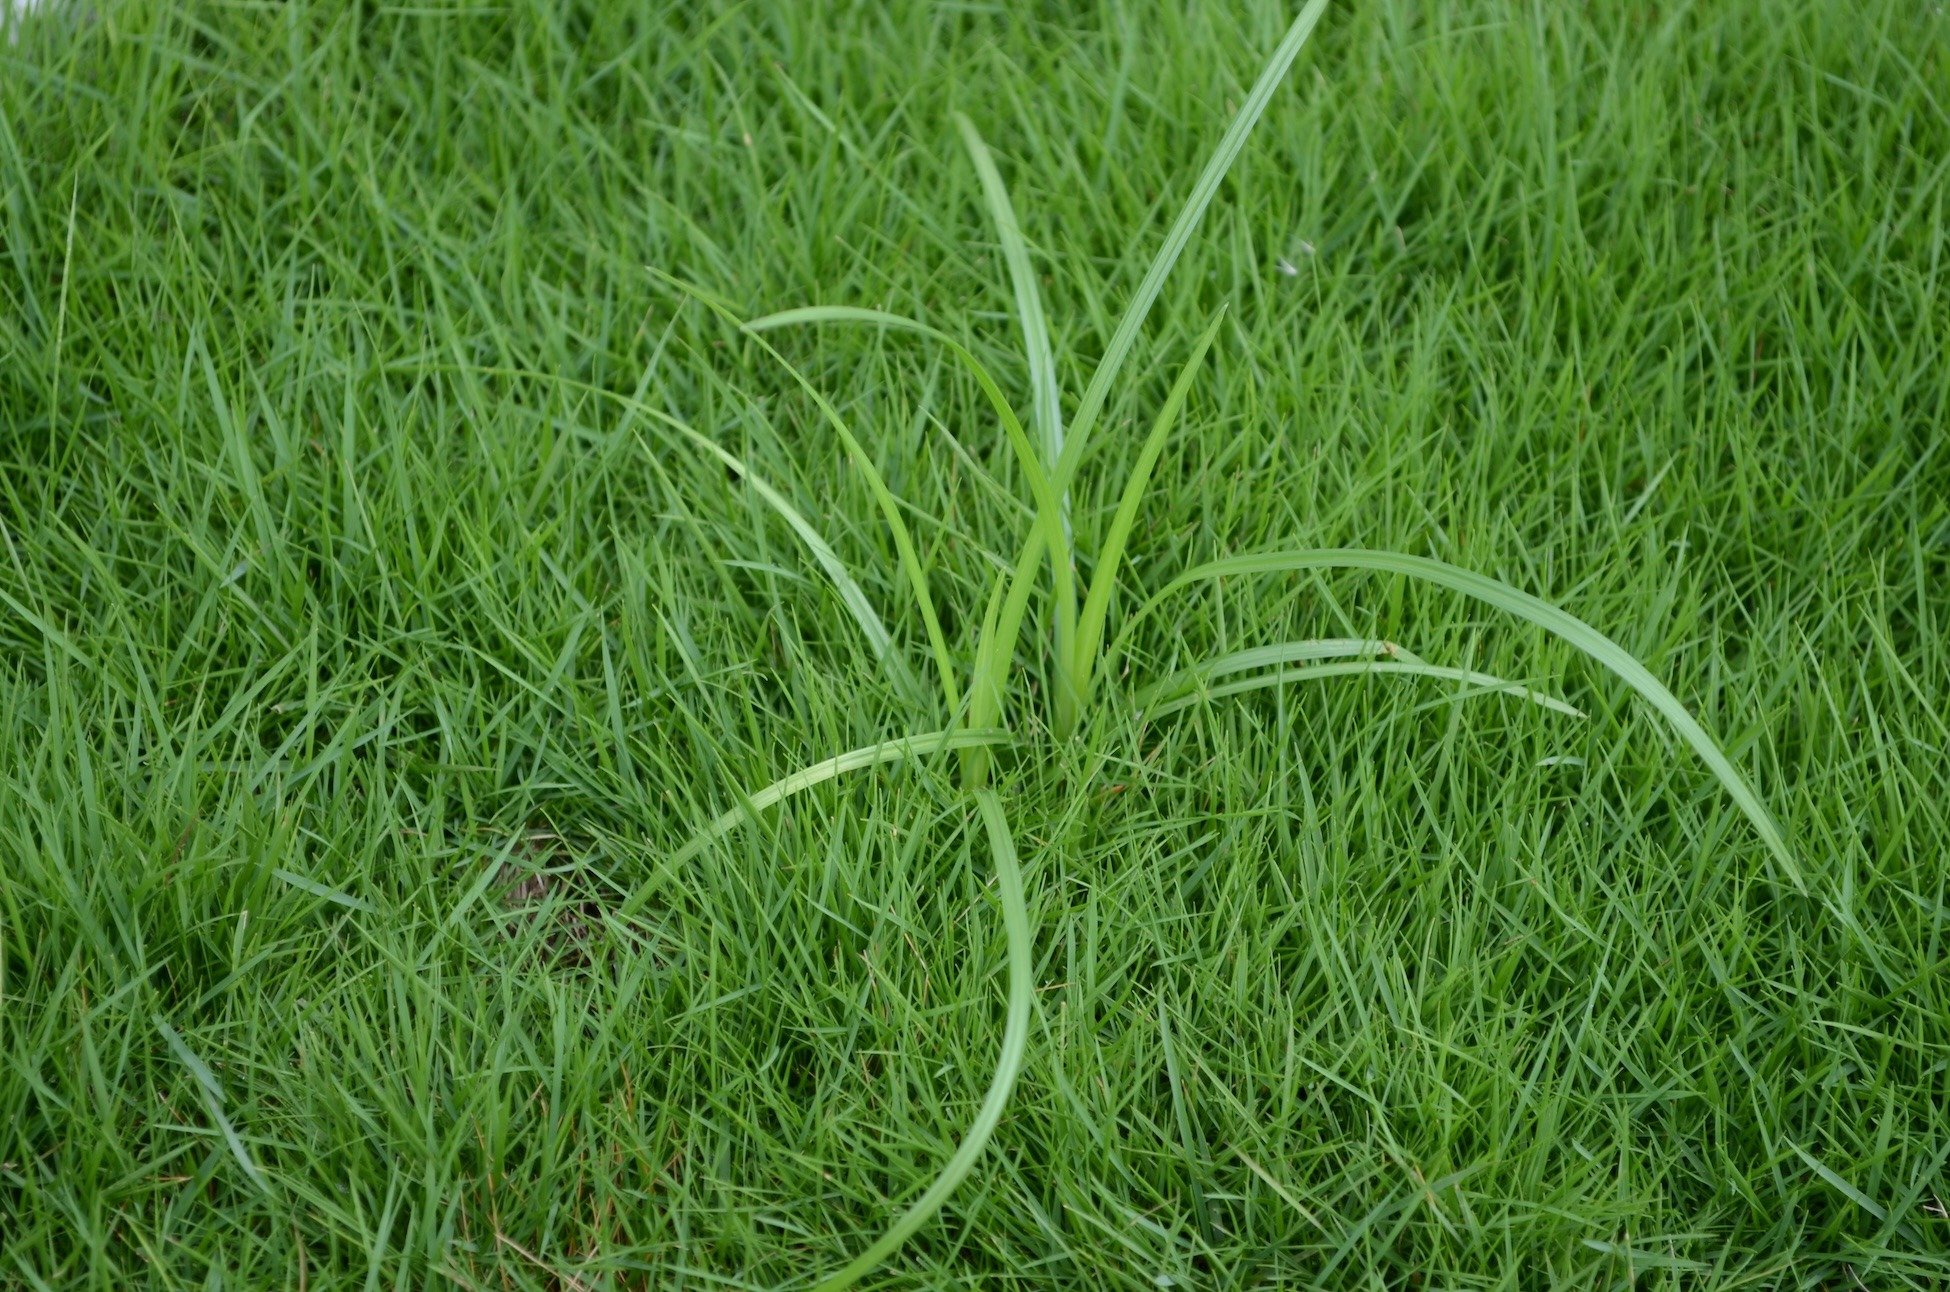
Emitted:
pixel 363 648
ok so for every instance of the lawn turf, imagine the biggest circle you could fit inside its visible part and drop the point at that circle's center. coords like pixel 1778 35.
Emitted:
pixel 369 645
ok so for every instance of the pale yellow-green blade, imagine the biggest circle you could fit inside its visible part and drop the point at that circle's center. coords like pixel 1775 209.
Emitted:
pixel 1121 341
pixel 1399 668
pixel 888 751
pixel 1563 624
pixel 1008 1064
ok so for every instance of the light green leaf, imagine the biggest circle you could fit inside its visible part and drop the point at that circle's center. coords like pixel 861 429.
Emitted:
pixel 1049 509
pixel 317 889
pixel 214 1098
pixel 1320 672
pixel 1841 1186
pixel 890 751
pixel 1090 626
pixel 1008 1064
pixel 910 558
pixel 1182 228
pixel 1513 601
pixel 1048 412
pixel 1258 657
pixel 851 594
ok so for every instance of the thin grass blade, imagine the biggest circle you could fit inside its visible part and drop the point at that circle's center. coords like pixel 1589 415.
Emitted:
pixel 1223 156
pixel 890 751
pixel 910 557
pixel 1090 625
pixel 998 650
pixel 1190 679
pixel 214 1099
pixel 1320 672
pixel 1049 507
pixel 985 685
pixel 1563 624
pixel 1047 410
pixel 1034 472
pixel 851 594
pixel 1015 1042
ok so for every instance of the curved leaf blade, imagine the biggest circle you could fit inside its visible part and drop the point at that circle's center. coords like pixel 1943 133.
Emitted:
pixel 1257 657
pixel 890 509
pixel 1047 410
pixel 1008 1064
pixel 889 751
pixel 1400 668
pixel 851 594
pixel 1053 536
pixel 1594 644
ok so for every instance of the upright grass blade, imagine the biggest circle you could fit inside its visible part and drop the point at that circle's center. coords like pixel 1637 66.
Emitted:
pixel 1034 473
pixel 1046 409
pixel 890 751
pixel 910 558
pixel 997 649
pixel 1321 672
pixel 1048 412
pixel 1049 508
pixel 1494 592
pixel 1015 1041
pixel 1234 140
pixel 852 596
pixel 985 685
pixel 1090 627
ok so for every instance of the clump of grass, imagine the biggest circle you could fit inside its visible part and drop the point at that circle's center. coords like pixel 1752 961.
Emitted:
pixel 975 720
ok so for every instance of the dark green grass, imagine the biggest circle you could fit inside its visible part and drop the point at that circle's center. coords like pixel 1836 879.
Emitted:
pixel 365 648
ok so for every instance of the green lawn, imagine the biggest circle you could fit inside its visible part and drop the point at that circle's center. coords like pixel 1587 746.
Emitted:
pixel 379 629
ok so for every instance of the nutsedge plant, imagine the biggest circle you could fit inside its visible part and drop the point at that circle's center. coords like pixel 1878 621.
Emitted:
pixel 974 720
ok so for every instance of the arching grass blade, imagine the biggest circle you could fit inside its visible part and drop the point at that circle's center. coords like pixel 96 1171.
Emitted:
pixel 1563 624
pixel 851 594
pixel 853 760
pixel 1047 410
pixel 1049 508
pixel 1015 1041
pixel 910 557
pixel 1321 672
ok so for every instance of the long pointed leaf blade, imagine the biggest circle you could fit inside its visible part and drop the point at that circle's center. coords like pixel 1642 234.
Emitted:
pixel 998 650
pixel 851 594
pixel 1271 656
pixel 189 1058
pixel 984 686
pixel 1363 668
pixel 1090 626
pixel 853 760
pixel 214 1098
pixel 1181 231
pixel 1561 623
pixel 890 509
pixel 1049 508
pixel 1008 1063
pixel 1033 469
pixel 1048 413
